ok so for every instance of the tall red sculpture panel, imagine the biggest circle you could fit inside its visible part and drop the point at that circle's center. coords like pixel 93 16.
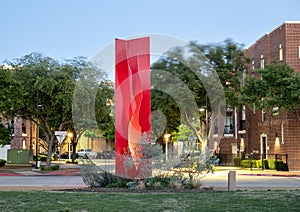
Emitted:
pixel 133 107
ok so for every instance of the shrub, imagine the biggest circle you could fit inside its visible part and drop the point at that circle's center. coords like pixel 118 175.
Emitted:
pixel 271 164
pixel 121 183
pixel 70 161
pixel 176 185
pixel 94 176
pixel 237 161
pixel 51 168
pixel 258 163
pixel 280 165
pixel 141 185
pixel 43 158
pixel 193 184
pixel 246 163
pixel 2 162
pixel 266 164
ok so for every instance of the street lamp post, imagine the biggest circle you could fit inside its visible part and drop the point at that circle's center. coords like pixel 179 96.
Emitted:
pixel 37 135
pixel 167 138
pixel 202 109
pixel 206 121
pixel 70 136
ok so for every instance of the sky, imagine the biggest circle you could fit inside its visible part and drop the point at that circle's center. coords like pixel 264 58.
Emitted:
pixel 63 29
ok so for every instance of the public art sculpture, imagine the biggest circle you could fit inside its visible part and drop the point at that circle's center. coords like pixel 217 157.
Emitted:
pixel 133 107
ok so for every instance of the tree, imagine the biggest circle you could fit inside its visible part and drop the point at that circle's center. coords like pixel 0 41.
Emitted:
pixel 84 103
pixel 5 135
pixel 35 80
pixel 212 70
pixel 177 93
pixel 272 89
pixel 229 61
pixel 105 110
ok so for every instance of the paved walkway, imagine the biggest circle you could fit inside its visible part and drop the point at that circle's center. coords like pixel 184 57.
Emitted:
pixel 258 172
pixel 65 170
pixel 74 170
pixel 26 178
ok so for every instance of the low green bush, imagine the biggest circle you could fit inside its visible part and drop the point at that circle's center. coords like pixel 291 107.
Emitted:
pixel 280 165
pixel 2 162
pixel 258 163
pixel 266 164
pixel 237 161
pixel 70 161
pixel 42 158
pixel 51 168
pixel 121 183
pixel 246 163
pixel 271 164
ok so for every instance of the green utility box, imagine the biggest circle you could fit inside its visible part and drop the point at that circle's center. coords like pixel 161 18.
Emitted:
pixel 15 156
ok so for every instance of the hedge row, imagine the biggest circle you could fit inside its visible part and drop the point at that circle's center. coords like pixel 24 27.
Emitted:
pixel 268 164
pixel 2 162
pixel 42 158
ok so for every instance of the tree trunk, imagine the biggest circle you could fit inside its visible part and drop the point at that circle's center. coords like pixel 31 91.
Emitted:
pixel 74 144
pixel 50 145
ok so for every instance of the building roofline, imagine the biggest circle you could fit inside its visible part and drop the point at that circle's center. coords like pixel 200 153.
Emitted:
pixel 267 33
pixel 291 22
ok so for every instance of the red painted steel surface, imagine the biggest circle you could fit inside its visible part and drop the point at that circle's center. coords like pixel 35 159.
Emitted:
pixel 133 106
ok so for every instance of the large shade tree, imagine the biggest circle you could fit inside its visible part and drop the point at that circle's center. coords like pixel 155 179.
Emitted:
pixel 104 110
pixel 40 89
pixel 226 59
pixel 273 89
pixel 5 135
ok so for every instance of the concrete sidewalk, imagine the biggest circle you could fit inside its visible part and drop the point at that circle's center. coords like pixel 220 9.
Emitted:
pixel 24 178
pixel 74 170
pixel 258 172
pixel 65 170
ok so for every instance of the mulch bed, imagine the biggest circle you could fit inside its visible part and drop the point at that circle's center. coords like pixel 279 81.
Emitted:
pixel 126 190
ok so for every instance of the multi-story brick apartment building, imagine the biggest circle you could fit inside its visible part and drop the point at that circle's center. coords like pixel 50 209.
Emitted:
pixel 255 131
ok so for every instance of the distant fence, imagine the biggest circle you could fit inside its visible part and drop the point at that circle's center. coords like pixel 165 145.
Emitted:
pixel 235 160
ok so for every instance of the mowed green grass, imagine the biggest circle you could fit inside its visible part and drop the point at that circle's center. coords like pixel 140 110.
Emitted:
pixel 94 201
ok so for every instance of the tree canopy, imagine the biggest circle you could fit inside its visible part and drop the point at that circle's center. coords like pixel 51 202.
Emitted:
pixel 273 88
pixel 194 69
pixel 5 135
pixel 36 80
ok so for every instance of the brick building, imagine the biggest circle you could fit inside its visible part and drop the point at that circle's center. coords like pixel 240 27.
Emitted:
pixel 256 131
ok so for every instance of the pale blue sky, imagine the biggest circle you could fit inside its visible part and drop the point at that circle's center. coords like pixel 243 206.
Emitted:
pixel 67 28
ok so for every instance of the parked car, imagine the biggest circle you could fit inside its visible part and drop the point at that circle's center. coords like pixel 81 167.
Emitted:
pixel 86 153
pixel 66 155
pixel 105 155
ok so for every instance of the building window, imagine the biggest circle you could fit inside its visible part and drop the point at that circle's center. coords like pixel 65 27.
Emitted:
pixel 280 53
pixel 263 115
pixel 244 112
pixel 275 111
pixel 244 77
pixel 252 65
pixel 299 51
pixel 23 126
pixel 11 127
pixel 243 119
pixel 262 62
pixel 282 135
pixel 228 128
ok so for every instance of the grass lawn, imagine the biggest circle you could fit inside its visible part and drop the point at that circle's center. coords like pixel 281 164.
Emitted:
pixel 206 201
